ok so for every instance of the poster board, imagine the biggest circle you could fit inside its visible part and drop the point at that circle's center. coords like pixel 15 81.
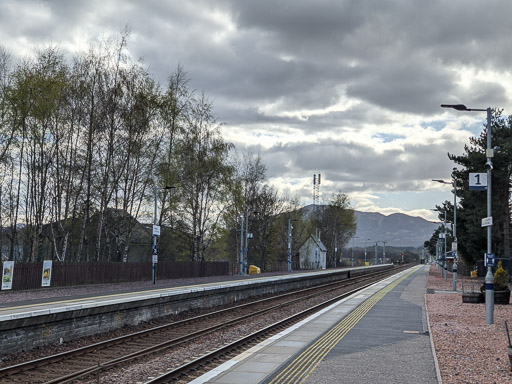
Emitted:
pixel 7 274
pixel 46 276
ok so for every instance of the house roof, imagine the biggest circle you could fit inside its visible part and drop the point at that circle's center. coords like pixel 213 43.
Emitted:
pixel 318 242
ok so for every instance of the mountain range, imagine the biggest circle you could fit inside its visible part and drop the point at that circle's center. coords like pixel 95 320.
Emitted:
pixel 397 229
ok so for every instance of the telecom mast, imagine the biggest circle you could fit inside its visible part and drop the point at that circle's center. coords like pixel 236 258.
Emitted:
pixel 316 189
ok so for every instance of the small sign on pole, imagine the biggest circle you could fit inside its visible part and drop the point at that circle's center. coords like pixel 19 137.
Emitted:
pixel 156 230
pixel 489 260
pixel 155 259
pixel 477 181
pixel 487 221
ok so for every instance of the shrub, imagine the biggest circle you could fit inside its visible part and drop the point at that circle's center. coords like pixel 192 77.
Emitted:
pixel 500 278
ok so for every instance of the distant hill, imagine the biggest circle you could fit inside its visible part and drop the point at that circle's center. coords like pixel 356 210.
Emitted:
pixel 396 229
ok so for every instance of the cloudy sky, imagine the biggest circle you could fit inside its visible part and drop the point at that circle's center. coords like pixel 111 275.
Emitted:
pixel 348 89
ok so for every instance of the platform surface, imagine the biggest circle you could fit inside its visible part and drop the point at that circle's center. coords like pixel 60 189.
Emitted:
pixel 379 335
pixel 46 306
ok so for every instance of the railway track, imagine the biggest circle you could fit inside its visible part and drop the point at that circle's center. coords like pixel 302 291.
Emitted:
pixel 95 359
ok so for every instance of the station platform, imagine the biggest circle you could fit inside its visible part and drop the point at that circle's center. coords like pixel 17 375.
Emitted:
pixel 45 321
pixel 378 335
pixel 114 297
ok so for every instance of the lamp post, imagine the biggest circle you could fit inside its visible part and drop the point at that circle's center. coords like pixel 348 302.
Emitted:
pixel 241 269
pixel 247 237
pixel 156 233
pixel 354 237
pixel 335 248
pixel 290 228
pixel 489 278
pixel 365 250
pixel 454 243
pixel 444 265
pixel 445 262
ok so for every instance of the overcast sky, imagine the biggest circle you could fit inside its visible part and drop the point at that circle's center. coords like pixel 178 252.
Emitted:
pixel 348 89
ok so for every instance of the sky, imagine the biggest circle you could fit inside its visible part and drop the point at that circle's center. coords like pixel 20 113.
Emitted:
pixel 350 90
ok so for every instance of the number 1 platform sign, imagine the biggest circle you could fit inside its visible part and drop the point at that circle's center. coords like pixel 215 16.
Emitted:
pixel 477 181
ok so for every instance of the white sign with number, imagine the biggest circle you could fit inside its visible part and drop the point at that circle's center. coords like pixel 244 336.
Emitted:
pixel 477 181
pixel 487 222
pixel 156 230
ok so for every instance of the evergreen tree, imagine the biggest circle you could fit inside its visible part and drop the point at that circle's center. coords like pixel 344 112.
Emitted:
pixel 472 205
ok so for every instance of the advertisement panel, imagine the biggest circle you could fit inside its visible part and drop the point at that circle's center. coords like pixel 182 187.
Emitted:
pixel 7 273
pixel 47 273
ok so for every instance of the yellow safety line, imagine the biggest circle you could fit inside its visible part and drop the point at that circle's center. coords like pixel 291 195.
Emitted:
pixel 300 369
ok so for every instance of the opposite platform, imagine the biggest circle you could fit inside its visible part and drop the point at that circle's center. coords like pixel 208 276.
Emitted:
pixel 378 335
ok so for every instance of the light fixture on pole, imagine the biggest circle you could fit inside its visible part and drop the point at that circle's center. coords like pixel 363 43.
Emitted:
pixel 353 237
pixel 247 237
pixel 241 270
pixel 444 266
pixel 489 257
pixel 290 228
pixel 365 250
pixel 156 233
pixel 454 243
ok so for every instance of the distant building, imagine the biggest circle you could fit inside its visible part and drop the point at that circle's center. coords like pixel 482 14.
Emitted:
pixel 313 254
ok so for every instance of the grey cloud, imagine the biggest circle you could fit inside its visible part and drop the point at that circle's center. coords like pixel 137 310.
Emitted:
pixel 351 164
pixel 389 55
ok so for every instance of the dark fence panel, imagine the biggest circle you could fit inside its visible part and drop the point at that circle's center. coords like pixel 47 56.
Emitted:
pixel 28 275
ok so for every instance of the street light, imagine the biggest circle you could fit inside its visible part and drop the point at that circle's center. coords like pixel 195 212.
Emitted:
pixel 353 237
pixel 454 247
pixel 290 227
pixel 247 237
pixel 365 250
pixel 156 233
pixel 444 238
pixel 241 270
pixel 489 278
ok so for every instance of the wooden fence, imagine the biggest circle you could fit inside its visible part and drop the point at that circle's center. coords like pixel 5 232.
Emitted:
pixel 28 275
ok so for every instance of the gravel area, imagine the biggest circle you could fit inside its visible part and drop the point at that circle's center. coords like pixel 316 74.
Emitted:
pixel 468 350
